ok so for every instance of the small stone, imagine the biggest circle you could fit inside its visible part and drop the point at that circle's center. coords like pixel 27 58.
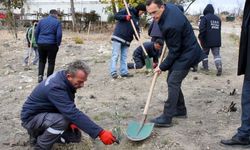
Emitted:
pixel 6 45
pixel 92 97
pixel 26 79
pixel 20 88
pixel 195 78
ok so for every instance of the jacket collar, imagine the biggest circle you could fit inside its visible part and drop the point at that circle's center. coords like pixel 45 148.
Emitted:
pixel 66 81
pixel 163 15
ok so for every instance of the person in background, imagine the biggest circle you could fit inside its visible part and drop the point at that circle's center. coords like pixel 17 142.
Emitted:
pixel 48 36
pixel 153 50
pixel 31 43
pixel 210 37
pixel 122 37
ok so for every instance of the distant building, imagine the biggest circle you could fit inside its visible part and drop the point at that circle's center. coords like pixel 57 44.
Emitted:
pixel 44 6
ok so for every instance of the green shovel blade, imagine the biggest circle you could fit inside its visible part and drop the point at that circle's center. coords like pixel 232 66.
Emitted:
pixel 148 63
pixel 135 134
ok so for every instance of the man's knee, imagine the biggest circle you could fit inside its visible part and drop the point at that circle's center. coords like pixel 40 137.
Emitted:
pixel 58 121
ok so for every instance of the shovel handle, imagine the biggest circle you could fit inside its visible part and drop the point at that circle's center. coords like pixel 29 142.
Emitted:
pixel 30 50
pixel 133 25
pixel 145 112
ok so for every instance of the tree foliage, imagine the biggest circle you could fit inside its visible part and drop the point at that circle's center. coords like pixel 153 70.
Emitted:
pixel 12 3
pixel 119 3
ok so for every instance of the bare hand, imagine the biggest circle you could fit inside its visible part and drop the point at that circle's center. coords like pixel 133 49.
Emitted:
pixel 157 70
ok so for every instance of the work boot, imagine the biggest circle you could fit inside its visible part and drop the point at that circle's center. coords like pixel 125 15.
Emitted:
pixel 162 121
pixel 219 72
pixel 219 68
pixel 131 66
pixel 114 76
pixel 205 65
pixel 40 78
pixel 32 140
pixel 236 140
pixel 180 115
pixel 127 75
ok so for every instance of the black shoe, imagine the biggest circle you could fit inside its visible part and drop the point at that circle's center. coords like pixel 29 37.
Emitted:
pixel 162 121
pixel 40 78
pixel 32 140
pixel 236 141
pixel 114 76
pixel 219 72
pixel 131 66
pixel 194 69
pixel 127 75
pixel 205 69
pixel 180 115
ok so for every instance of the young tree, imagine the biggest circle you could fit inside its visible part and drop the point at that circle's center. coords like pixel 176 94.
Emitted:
pixel 119 3
pixel 73 15
pixel 10 5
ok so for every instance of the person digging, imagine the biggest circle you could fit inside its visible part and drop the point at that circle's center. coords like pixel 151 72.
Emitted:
pixel 50 115
pixel 153 50
pixel 184 52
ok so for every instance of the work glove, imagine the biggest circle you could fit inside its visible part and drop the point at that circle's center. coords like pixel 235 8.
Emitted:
pixel 155 65
pixel 128 17
pixel 73 127
pixel 107 137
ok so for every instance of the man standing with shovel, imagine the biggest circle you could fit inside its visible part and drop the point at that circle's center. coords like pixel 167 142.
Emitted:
pixel 184 52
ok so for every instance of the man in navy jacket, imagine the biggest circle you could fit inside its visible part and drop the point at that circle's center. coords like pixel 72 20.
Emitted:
pixel 184 52
pixel 50 110
pixel 153 50
pixel 242 136
pixel 210 37
pixel 122 37
pixel 48 36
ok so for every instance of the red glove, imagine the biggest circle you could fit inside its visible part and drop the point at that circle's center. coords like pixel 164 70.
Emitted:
pixel 155 65
pixel 107 137
pixel 128 17
pixel 73 127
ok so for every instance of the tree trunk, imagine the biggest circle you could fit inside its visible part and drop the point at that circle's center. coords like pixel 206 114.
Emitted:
pixel 73 15
pixel 113 6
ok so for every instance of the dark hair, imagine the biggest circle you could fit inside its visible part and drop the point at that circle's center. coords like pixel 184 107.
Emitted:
pixel 141 7
pixel 53 12
pixel 180 7
pixel 159 41
pixel 157 2
pixel 34 21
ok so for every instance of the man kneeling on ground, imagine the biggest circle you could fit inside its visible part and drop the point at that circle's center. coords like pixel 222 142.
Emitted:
pixel 153 49
pixel 50 114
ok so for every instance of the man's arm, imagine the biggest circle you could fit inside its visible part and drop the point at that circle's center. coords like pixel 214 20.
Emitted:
pixel 121 15
pixel 173 41
pixel 59 34
pixel 202 31
pixel 37 31
pixel 59 97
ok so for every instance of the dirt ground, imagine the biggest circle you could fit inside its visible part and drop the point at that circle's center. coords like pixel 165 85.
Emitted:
pixel 113 103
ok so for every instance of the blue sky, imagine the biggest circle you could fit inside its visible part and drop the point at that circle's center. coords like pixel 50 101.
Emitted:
pixel 222 5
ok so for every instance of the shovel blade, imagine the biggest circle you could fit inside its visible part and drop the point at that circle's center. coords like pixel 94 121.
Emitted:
pixel 148 63
pixel 134 133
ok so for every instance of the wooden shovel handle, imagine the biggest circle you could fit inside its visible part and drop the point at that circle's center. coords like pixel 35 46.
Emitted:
pixel 31 44
pixel 153 82
pixel 133 25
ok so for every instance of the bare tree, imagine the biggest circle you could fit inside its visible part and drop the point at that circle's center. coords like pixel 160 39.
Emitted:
pixel 73 15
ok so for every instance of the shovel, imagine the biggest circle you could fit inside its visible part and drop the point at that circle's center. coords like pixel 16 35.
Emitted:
pixel 30 50
pixel 138 131
pixel 148 62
